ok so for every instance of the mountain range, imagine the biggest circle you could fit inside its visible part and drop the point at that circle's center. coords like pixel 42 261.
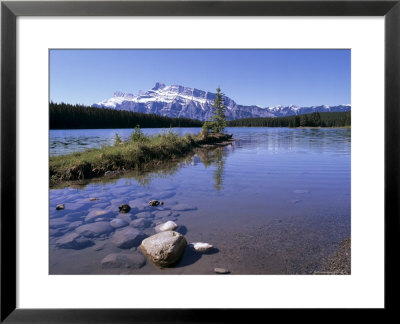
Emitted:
pixel 180 101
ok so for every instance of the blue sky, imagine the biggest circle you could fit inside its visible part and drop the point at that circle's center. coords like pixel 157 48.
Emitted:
pixel 250 77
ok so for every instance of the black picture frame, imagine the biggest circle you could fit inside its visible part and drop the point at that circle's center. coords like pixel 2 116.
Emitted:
pixel 10 10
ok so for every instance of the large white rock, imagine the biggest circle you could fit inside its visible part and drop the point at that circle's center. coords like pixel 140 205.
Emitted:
pixel 165 248
pixel 167 226
pixel 200 246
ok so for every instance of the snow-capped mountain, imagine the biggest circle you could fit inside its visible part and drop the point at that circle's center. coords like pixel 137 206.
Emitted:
pixel 180 101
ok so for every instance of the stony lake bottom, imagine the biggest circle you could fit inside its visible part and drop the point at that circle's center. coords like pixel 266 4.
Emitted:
pixel 275 201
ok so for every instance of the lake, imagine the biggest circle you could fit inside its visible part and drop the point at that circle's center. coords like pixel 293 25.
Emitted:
pixel 275 201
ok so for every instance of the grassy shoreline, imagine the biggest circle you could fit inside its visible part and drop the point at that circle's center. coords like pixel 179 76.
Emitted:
pixel 140 152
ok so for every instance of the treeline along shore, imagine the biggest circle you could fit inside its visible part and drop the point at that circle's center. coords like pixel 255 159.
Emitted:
pixel 316 119
pixel 67 116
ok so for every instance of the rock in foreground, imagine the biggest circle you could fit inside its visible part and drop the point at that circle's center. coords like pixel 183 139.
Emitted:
pixel 165 248
pixel 95 229
pixel 118 223
pixel 167 226
pixel 127 238
pixel 123 260
pixel 73 241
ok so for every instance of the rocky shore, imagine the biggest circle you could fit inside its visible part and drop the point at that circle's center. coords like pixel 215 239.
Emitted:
pixel 151 234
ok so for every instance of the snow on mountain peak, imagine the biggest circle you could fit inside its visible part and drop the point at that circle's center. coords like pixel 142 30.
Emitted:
pixel 180 101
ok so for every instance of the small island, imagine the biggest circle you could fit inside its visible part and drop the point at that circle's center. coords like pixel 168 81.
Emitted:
pixel 140 151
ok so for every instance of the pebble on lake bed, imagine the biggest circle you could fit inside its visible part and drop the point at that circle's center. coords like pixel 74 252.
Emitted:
pixel 221 271
pixel 201 247
pixel 124 208
pixel 154 203
pixel 60 207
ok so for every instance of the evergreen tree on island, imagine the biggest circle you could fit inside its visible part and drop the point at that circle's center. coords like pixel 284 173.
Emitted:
pixel 219 118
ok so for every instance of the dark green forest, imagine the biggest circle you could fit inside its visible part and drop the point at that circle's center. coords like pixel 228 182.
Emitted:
pixel 67 116
pixel 325 119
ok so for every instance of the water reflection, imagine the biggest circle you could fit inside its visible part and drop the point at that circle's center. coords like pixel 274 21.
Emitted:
pixel 215 158
pixel 208 157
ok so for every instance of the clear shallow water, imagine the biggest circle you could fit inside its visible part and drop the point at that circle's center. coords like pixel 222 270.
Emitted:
pixel 65 141
pixel 277 201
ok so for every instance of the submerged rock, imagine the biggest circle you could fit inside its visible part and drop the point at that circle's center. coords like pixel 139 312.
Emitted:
pixel 132 260
pixel 125 217
pixel 58 223
pixel 118 223
pixel 140 223
pixel 124 208
pixel 94 214
pixel 127 238
pixel 139 204
pixel 164 249
pixel 71 217
pixel 73 241
pixel 95 229
pixel 167 226
pixel 144 214
pixel 200 247
pixel 74 225
pixel 60 207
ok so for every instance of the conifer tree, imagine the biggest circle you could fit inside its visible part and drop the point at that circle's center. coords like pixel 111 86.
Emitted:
pixel 219 117
pixel 303 121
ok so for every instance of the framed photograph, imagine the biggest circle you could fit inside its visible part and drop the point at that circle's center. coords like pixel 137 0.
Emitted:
pixel 189 160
